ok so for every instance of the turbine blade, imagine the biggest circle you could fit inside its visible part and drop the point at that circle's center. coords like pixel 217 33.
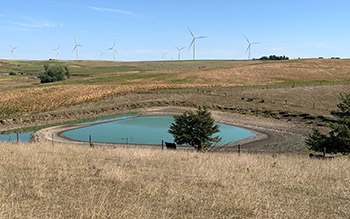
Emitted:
pixel 75 47
pixel 201 37
pixel 75 41
pixel 248 48
pixel 247 39
pixel 191 32
pixel 182 48
pixel 255 43
pixel 191 43
pixel 177 48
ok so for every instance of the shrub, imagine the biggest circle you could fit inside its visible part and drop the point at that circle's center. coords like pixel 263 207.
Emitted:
pixel 12 73
pixel 55 73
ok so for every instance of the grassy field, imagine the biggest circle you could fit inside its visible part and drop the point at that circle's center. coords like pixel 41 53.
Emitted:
pixel 95 80
pixel 69 181
pixel 64 181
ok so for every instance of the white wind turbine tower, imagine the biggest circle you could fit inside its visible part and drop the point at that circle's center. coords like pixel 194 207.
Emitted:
pixel 179 51
pixel 76 47
pixel 13 48
pixel 194 42
pixel 58 52
pixel 114 50
pixel 250 46
pixel 101 54
pixel 163 54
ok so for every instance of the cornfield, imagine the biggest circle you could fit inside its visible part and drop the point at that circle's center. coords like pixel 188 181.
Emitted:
pixel 31 100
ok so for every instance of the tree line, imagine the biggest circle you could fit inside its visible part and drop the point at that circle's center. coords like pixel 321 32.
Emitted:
pixel 274 57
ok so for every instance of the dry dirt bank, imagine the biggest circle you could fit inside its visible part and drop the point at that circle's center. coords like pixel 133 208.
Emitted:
pixel 304 104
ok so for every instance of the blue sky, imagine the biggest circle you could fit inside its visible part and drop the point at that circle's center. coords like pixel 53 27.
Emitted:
pixel 142 29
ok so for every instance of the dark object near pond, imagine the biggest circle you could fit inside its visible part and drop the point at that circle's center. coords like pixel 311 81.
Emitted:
pixel 319 156
pixel 171 146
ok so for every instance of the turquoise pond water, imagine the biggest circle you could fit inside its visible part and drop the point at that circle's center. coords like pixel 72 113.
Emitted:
pixel 146 130
pixel 23 137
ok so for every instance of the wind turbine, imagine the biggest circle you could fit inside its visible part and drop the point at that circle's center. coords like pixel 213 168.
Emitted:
pixel 179 51
pixel 58 52
pixel 194 42
pixel 163 54
pixel 76 47
pixel 13 48
pixel 250 46
pixel 114 50
pixel 101 54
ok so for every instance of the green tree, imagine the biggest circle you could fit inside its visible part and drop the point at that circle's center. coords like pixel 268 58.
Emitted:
pixel 53 73
pixel 338 138
pixel 195 129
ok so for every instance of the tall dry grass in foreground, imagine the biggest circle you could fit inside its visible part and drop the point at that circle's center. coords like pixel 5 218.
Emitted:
pixel 64 181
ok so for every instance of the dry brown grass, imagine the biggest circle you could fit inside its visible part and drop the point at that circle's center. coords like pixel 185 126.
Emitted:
pixel 277 72
pixel 41 181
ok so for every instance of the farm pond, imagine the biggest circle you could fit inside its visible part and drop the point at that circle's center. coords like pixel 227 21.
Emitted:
pixel 22 137
pixel 149 130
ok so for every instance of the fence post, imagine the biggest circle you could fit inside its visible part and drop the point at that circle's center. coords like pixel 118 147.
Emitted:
pixel 239 149
pixel 90 140
pixel 324 152
pixel 52 139
pixel 10 139
pixel 162 144
pixel 17 138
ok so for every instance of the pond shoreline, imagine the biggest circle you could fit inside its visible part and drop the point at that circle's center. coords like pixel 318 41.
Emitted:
pixel 265 133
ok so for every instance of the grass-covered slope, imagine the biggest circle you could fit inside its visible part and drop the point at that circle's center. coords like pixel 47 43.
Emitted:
pixel 95 80
pixel 64 181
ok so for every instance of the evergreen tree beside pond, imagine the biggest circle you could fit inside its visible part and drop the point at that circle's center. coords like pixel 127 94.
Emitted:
pixel 338 138
pixel 195 129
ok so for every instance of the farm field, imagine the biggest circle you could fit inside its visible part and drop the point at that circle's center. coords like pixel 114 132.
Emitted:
pixel 92 81
pixel 66 181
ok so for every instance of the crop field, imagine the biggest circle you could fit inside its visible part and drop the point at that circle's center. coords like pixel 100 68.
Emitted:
pixel 66 181
pixel 22 94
